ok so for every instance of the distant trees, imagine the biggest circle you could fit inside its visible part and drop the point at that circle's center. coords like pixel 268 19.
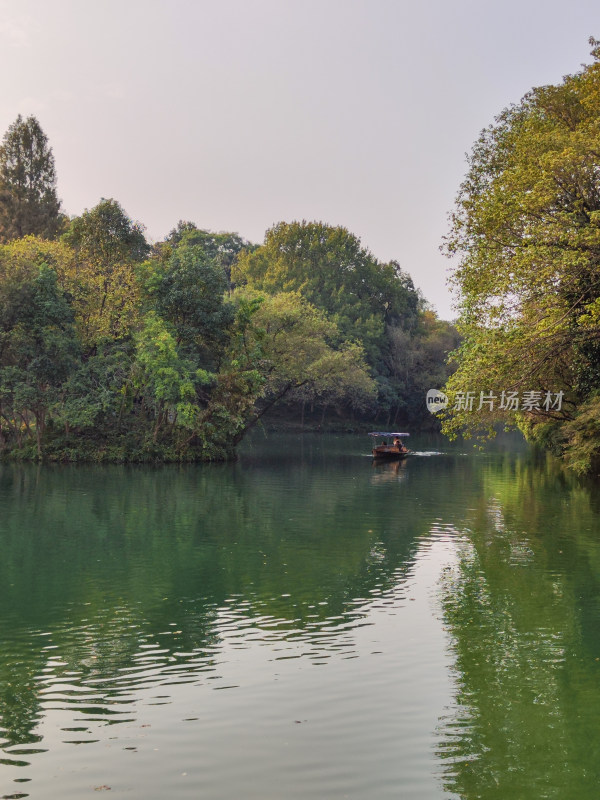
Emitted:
pixel 373 304
pixel 331 269
pixel 28 200
pixel 417 361
pixel 112 349
pixel 105 355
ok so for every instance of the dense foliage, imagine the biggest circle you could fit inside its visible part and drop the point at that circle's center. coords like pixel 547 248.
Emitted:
pixel 118 358
pixel 374 304
pixel 111 349
pixel 527 229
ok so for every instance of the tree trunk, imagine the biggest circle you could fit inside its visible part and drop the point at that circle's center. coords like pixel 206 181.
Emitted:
pixel 26 422
pixel 40 424
pixel 323 416
pixel 159 419
pixel 252 422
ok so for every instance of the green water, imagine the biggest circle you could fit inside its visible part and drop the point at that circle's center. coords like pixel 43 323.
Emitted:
pixel 301 624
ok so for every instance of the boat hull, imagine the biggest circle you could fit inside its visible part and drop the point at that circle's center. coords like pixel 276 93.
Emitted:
pixel 388 453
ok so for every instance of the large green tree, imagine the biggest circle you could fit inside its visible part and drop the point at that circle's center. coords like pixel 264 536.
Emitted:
pixel 188 291
pixel 280 346
pixel 108 247
pixel 28 200
pixel 527 232
pixel 222 248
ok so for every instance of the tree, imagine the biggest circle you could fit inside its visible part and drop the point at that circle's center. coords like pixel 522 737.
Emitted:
pixel 188 291
pixel 527 230
pixel 106 235
pixel 28 201
pixel 108 248
pixel 280 345
pixel 162 377
pixel 38 347
pixel 222 249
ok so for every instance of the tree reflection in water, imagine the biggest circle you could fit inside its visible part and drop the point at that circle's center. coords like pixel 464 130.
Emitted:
pixel 522 606
pixel 114 581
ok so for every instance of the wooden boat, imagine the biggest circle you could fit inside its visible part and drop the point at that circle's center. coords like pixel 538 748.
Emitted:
pixel 391 446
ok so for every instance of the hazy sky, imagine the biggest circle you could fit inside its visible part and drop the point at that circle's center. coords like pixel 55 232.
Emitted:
pixel 237 114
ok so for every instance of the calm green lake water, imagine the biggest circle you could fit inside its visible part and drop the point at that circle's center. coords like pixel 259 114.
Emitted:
pixel 301 624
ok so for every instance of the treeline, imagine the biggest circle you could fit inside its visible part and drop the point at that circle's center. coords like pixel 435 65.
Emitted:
pixel 527 231
pixel 113 349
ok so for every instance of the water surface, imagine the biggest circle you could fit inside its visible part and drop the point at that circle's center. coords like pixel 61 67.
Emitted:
pixel 301 624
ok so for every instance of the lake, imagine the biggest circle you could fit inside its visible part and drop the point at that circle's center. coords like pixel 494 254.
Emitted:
pixel 301 624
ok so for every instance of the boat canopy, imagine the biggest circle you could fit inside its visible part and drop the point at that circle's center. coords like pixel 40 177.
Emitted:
pixel 384 433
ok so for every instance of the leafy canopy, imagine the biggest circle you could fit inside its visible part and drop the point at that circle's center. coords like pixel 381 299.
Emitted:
pixel 526 229
pixel 108 247
pixel 329 267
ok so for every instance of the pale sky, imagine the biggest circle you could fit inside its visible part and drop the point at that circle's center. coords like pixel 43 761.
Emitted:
pixel 237 114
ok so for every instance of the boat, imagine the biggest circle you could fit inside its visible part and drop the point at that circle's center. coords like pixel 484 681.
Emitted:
pixel 391 447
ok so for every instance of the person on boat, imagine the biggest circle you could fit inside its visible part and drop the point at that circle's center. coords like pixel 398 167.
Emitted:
pixel 399 445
